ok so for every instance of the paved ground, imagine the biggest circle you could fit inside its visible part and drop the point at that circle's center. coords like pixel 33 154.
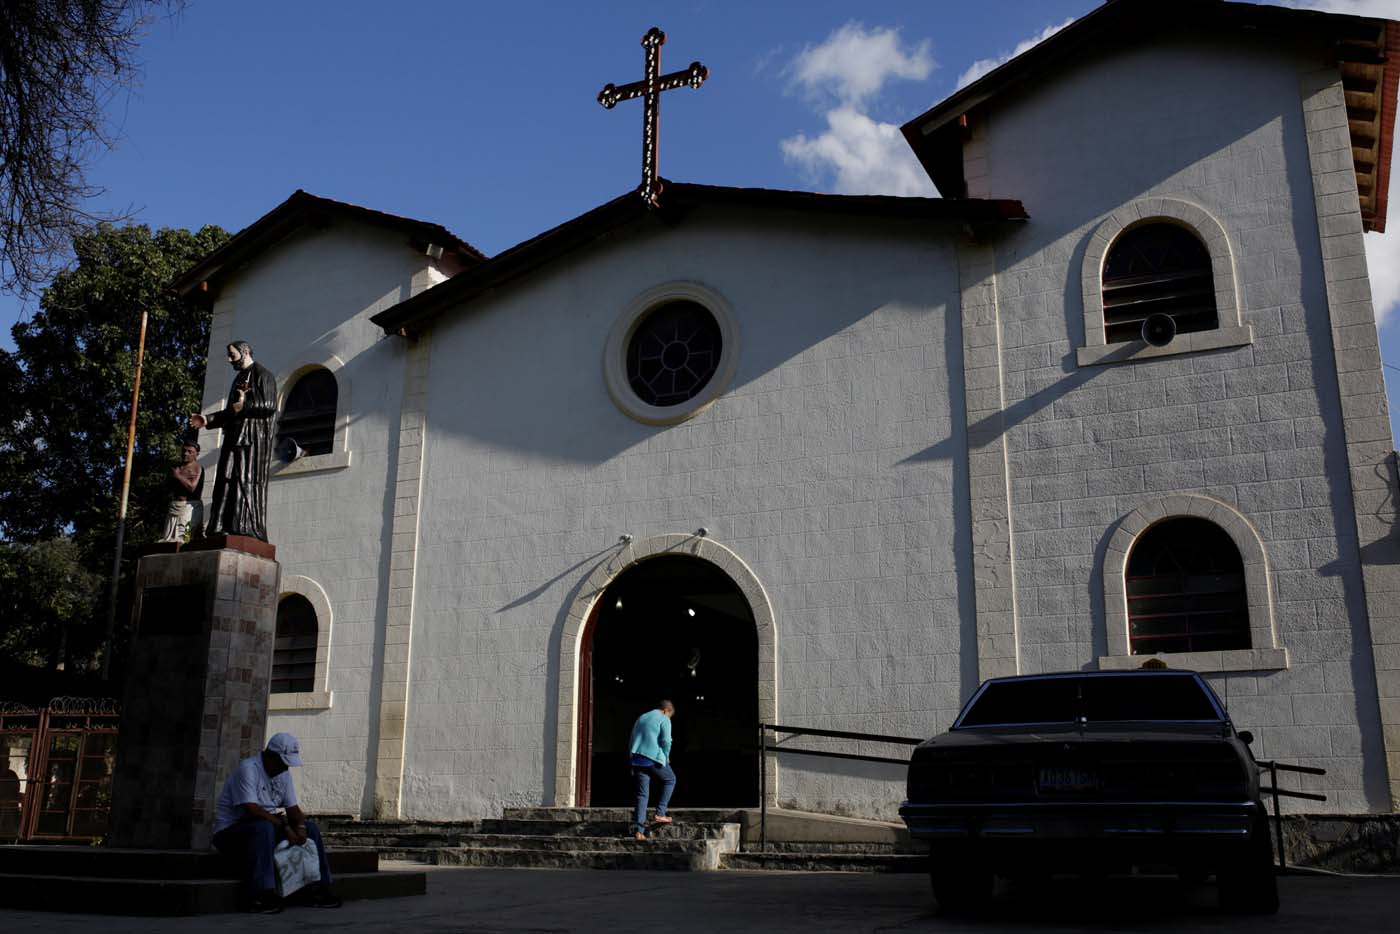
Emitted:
pixel 534 901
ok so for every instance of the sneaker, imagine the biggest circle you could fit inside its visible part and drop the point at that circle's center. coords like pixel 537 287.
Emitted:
pixel 325 898
pixel 265 903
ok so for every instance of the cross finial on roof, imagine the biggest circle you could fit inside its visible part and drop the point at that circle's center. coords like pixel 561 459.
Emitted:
pixel 650 88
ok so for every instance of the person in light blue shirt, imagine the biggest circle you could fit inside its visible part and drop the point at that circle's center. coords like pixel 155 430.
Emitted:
pixel 651 752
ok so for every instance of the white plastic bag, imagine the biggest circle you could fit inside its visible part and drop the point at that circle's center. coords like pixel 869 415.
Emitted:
pixel 297 866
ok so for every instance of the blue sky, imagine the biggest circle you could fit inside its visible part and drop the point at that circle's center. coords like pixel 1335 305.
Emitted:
pixel 482 117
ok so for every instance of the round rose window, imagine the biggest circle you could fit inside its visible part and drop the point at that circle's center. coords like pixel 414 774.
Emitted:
pixel 673 353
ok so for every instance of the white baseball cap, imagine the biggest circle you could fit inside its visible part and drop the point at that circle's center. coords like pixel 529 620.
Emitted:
pixel 286 746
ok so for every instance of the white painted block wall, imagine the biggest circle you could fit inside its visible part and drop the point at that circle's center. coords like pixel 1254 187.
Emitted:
pixel 308 298
pixel 829 467
pixel 1259 427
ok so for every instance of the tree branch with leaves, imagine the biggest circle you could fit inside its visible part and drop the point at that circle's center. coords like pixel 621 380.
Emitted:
pixel 61 64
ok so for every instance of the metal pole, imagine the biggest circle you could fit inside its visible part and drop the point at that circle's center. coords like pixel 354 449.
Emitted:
pixel 763 788
pixel 1278 816
pixel 121 508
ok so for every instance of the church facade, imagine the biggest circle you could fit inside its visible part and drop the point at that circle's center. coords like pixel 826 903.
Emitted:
pixel 830 461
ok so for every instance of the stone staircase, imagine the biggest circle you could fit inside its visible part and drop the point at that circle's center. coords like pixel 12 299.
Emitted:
pixel 701 839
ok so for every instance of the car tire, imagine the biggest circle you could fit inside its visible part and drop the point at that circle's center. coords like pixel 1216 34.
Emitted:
pixel 1252 887
pixel 960 887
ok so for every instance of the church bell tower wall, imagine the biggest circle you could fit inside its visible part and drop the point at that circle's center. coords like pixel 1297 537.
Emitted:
pixel 1255 422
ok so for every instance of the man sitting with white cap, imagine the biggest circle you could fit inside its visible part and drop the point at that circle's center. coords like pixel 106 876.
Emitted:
pixel 247 828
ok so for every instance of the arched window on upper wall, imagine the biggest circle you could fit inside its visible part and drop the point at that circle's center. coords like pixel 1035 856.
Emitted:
pixel 294 651
pixel 1185 585
pixel 1157 267
pixel 308 416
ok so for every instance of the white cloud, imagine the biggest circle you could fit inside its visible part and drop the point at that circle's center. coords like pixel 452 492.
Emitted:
pixel 1383 263
pixel 858 154
pixel 866 156
pixel 984 65
pixel 854 63
pixel 1385 9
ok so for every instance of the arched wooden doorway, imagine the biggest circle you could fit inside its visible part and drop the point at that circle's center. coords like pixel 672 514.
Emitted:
pixel 674 627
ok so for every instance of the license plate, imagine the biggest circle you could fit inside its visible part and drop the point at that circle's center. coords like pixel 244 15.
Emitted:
pixel 1067 779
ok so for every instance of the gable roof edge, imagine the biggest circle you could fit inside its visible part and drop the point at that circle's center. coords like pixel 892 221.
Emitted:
pixel 412 315
pixel 301 209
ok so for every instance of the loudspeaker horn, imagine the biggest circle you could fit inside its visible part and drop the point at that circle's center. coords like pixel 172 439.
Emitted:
pixel 288 450
pixel 1159 329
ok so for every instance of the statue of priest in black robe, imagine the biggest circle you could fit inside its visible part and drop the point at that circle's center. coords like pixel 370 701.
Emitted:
pixel 248 421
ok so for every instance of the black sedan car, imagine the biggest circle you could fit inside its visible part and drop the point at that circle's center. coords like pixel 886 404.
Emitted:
pixel 1091 772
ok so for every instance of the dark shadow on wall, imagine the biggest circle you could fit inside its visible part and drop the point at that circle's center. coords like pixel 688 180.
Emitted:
pixel 1097 610
pixel 569 416
pixel 969 676
pixel 401 352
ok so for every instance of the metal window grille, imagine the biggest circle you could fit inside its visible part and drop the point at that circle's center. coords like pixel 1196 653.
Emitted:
pixel 1159 267
pixel 1186 590
pixel 294 651
pixel 674 351
pixel 308 417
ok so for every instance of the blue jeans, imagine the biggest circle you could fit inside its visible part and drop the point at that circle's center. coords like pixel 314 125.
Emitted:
pixel 641 778
pixel 252 841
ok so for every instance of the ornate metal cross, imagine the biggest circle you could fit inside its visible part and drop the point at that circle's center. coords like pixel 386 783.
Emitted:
pixel 651 87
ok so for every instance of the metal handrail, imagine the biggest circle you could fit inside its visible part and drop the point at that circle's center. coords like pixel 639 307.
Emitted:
pixel 1273 767
pixel 764 728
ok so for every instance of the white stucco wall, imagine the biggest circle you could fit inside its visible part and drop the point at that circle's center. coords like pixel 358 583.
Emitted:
pixel 1259 427
pixel 830 468
pixel 307 301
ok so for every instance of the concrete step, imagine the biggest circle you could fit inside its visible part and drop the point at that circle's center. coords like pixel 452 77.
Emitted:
pixel 347 825
pixel 868 849
pixel 673 857
pixel 612 844
pixel 391 841
pixel 680 830
pixel 165 897
pixel 826 862
pixel 175 865
pixel 624 815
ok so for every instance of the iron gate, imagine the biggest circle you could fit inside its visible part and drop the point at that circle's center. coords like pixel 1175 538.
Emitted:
pixel 56 767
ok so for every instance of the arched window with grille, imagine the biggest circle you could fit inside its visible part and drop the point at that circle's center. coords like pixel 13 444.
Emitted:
pixel 1185 586
pixel 294 651
pixel 1157 267
pixel 308 415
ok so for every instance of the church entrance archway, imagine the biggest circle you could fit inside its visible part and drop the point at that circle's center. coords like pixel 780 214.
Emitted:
pixel 674 627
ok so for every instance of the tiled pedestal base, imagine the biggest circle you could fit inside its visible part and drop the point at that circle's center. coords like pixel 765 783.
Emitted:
pixel 196 692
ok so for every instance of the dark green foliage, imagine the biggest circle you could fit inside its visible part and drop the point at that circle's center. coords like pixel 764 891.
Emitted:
pixel 46 600
pixel 65 393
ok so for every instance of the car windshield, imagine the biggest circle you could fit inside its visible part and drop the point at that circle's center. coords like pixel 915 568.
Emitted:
pixel 1065 700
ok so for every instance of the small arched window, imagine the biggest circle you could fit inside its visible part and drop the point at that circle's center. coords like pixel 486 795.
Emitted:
pixel 1186 590
pixel 294 651
pixel 308 416
pixel 1157 267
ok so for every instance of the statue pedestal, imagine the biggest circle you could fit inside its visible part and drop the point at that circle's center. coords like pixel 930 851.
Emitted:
pixel 196 691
